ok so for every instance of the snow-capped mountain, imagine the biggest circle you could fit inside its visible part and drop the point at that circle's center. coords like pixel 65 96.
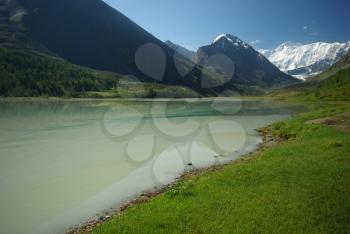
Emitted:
pixel 305 60
pixel 229 54
pixel 232 40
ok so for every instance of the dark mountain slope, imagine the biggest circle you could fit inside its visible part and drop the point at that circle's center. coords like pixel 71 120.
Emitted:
pixel 88 33
pixel 26 73
pixel 93 34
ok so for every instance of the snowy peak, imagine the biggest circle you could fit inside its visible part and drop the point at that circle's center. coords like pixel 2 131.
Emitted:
pixel 287 45
pixel 229 39
pixel 304 60
pixel 227 54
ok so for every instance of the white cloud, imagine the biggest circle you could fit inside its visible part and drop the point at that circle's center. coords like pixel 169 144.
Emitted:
pixel 306 27
pixel 256 42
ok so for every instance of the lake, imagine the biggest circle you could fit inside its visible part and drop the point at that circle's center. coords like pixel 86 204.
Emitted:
pixel 64 162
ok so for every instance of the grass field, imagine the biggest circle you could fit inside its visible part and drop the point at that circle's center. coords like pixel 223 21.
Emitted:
pixel 299 186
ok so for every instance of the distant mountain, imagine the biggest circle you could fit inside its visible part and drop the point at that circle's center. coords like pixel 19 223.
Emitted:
pixel 305 60
pixel 182 50
pixel 250 67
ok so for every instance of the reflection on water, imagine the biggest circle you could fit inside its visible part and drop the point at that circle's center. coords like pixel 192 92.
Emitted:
pixel 62 162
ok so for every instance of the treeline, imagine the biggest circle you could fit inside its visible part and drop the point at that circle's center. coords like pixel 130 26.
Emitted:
pixel 29 74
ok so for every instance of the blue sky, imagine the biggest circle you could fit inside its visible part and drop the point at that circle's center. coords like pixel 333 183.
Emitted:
pixel 193 23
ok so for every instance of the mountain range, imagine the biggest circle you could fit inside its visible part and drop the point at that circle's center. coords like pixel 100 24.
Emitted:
pixel 89 37
pixel 305 60
pixel 87 33
pixel 229 55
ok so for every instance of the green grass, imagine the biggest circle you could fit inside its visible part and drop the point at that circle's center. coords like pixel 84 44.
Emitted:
pixel 335 88
pixel 300 186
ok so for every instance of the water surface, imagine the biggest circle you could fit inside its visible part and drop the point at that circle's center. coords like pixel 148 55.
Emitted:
pixel 65 162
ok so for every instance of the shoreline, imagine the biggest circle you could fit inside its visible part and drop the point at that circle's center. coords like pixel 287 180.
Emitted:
pixel 267 141
pixel 273 166
pixel 204 99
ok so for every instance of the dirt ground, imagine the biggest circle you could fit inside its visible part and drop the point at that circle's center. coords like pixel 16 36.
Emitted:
pixel 341 122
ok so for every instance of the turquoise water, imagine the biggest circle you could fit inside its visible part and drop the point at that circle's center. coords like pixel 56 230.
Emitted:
pixel 64 162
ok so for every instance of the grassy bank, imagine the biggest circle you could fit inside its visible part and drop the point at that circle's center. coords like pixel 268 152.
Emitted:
pixel 299 186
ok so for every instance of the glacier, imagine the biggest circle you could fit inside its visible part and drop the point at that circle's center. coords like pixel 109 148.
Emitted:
pixel 306 60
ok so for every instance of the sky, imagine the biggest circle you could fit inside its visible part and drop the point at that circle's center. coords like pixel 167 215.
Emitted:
pixel 263 23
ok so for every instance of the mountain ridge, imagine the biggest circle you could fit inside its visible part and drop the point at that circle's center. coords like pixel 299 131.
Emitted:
pixel 305 60
pixel 96 36
pixel 191 55
pixel 251 67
